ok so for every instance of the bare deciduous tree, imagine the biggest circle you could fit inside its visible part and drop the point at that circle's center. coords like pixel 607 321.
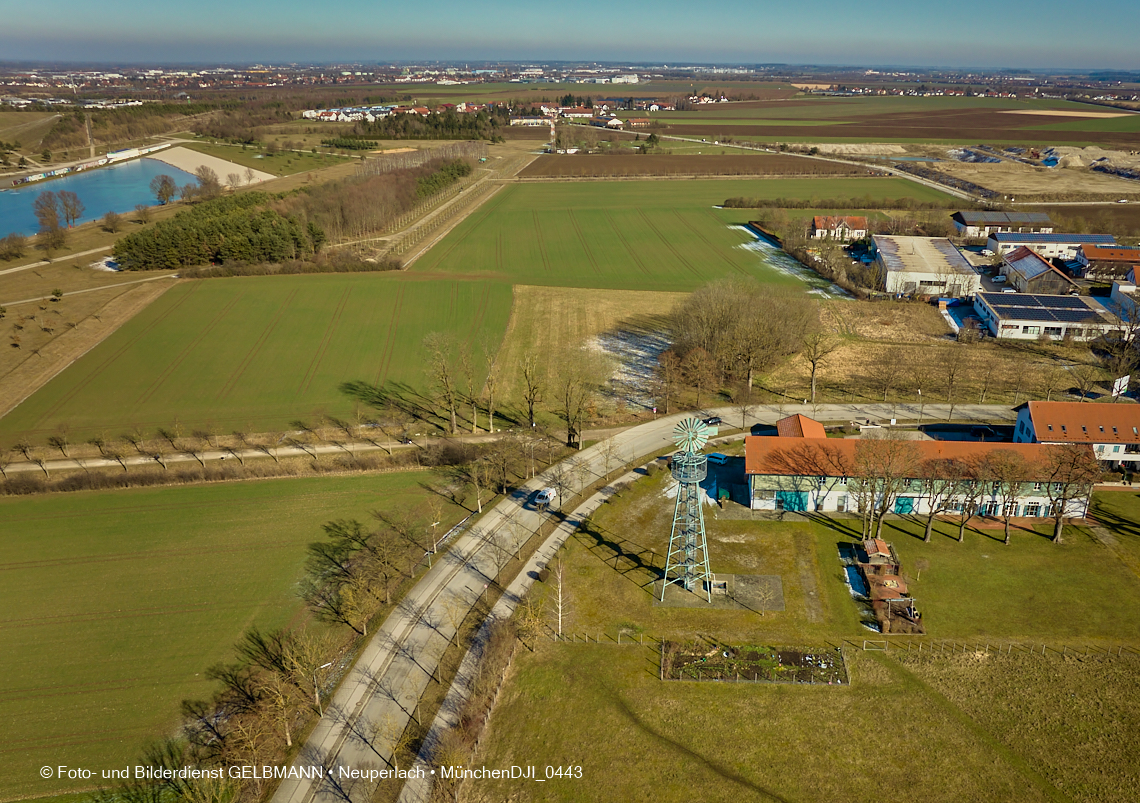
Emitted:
pixel 534 383
pixel 817 347
pixel 440 366
pixel 1072 471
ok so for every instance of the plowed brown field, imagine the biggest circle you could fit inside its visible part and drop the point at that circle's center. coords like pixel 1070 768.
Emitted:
pixel 583 166
pixel 925 125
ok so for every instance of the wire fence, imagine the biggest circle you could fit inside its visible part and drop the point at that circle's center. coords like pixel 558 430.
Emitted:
pixel 929 646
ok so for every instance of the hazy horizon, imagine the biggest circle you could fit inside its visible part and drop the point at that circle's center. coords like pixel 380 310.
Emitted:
pixel 898 34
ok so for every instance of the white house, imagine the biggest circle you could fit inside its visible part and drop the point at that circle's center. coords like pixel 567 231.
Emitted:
pixel 923 266
pixel 1047 245
pixel 838 227
pixel 1113 430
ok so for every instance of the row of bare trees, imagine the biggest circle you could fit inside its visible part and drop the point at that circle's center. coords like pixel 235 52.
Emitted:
pixel 465 383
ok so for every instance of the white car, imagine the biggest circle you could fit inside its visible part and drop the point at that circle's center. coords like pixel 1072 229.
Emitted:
pixel 545 496
pixel 986 252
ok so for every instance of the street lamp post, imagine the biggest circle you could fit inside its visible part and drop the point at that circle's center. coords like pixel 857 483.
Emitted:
pixel 317 688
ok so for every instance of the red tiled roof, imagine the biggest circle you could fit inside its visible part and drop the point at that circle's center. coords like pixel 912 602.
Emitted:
pixel 836 457
pixel 1103 253
pixel 799 426
pixel 1081 422
pixel 828 222
pixel 876 546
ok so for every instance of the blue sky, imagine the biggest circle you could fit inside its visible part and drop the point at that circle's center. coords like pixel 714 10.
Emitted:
pixel 1003 33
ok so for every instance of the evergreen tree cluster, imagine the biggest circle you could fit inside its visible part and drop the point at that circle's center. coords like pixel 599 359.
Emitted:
pixel 446 125
pixel 446 175
pixel 349 143
pixel 235 228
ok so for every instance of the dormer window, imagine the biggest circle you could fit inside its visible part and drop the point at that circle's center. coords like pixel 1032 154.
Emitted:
pixel 1063 429
pixel 1050 427
pixel 1102 429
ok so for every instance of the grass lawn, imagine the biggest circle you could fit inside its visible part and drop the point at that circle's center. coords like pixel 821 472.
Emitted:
pixel 631 235
pixel 255 353
pixel 116 602
pixel 1119 512
pixel 901 731
pixel 1031 590
pixel 282 163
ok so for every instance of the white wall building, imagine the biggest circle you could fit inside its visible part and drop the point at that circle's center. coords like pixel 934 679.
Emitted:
pixel 1024 316
pixel 924 266
pixel 1113 430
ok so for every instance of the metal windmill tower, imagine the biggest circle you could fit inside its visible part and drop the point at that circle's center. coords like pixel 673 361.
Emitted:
pixel 688 559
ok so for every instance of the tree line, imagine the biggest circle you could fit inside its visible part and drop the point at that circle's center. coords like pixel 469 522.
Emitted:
pixel 732 331
pixel 485 124
pixel 864 202
pixel 355 207
pixel 447 174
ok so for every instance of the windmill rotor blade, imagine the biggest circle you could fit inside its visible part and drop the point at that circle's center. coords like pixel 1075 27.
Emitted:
pixel 691 434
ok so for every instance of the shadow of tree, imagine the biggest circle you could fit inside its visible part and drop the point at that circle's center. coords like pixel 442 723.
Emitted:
pixel 631 560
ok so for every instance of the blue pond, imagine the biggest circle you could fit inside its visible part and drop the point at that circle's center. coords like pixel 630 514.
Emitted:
pixel 116 188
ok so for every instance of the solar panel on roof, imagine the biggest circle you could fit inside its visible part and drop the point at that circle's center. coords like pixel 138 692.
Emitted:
pixel 1074 316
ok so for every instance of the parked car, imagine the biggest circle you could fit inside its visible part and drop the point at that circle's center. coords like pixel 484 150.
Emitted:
pixel 718 458
pixel 713 421
pixel 999 279
pixel 986 252
pixel 545 496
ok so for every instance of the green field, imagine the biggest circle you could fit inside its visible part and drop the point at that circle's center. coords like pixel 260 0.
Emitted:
pixel 282 163
pixel 116 602
pixel 950 729
pixel 635 235
pixel 255 353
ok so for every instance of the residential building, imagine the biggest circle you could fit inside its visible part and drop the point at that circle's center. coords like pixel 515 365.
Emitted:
pixel 1028 272
pixel 982 224
pixel 1107 263
pixel 1024 316
pixel 923 266
pixel 638 122
pixel 838 227
pixel 1112 430
pixel 1047 245
pixel 822 475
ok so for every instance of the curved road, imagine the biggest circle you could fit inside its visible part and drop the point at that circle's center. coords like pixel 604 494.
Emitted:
pixel 380 694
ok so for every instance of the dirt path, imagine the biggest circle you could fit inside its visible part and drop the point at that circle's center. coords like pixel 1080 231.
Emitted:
pixel 40 368
pixel 62 258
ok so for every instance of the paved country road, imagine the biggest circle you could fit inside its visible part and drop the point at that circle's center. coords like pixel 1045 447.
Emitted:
pixel 380 694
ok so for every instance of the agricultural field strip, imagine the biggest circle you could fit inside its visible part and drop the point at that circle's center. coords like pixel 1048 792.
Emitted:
pixel 512 237
pixel 216 352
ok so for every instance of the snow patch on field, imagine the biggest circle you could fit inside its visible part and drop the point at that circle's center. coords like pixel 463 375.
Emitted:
pixel 779 260
pixel 635 356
